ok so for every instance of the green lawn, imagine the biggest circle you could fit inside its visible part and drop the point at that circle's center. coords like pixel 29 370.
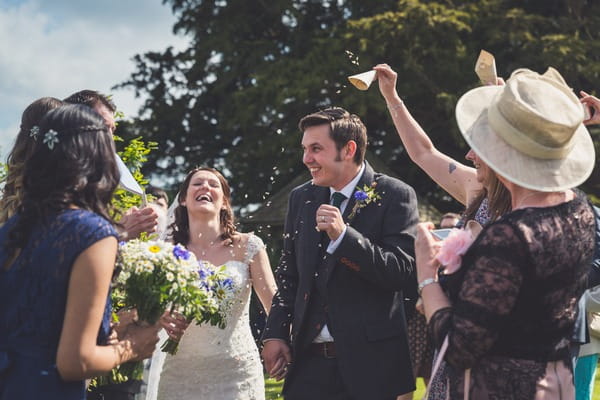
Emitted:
pixel 273 389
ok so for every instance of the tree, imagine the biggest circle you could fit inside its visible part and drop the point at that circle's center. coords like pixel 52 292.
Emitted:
pixel 253 68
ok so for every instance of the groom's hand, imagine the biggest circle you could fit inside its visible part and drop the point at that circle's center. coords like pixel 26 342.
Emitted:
pixel 277 356
pixel 330 221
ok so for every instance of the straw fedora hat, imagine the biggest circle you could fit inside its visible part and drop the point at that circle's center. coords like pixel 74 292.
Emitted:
pixel 529 131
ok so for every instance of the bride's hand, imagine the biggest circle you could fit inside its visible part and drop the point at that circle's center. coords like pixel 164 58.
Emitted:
pixel 175 324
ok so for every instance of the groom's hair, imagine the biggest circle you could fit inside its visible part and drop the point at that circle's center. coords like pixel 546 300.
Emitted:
pixel 91 98
pixel 343 127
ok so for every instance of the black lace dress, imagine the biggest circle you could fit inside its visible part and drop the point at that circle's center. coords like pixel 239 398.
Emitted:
pixel 515 300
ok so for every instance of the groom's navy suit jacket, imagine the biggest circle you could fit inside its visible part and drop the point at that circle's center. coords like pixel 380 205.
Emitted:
pixel 371 270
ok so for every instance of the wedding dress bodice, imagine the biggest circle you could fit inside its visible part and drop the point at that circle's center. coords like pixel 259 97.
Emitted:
pixel 214 363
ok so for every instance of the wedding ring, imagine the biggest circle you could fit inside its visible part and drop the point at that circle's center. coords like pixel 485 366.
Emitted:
pixel 322 218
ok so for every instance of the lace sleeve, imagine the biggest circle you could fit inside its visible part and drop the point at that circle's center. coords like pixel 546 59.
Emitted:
pixel 254 245
pixel 492 280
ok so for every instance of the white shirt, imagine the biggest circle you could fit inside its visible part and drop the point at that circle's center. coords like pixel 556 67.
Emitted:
pixel 325 335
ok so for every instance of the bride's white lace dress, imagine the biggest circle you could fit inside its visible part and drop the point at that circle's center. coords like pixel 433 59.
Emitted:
pixel 219 364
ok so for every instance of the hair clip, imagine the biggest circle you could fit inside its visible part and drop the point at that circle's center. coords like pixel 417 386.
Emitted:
pixel 34 132
pixel 51 138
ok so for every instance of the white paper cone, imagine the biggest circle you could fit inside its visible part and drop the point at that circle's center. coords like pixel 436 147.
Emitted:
pixel 128 182
pixel 485 68
pixel 364 80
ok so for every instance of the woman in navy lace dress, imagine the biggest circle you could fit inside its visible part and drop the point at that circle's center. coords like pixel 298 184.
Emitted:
pixel 508 313
pixel 57 258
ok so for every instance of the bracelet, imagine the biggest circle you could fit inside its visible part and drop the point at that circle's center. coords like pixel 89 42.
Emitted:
pixel 426 282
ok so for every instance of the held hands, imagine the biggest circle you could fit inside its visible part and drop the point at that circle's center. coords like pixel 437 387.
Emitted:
pixel 277 356
pixel 426 248
pixel 592 104
pixel 329 220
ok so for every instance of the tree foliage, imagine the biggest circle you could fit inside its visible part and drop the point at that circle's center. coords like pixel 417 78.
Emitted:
pixel 134 154
pixel 253 68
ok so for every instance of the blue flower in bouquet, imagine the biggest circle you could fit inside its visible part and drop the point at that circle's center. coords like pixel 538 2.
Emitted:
pixel 228 283
pixel 218 286
pixel 181 253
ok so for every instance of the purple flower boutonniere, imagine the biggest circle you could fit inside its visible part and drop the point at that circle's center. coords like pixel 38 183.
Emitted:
pixel 363 197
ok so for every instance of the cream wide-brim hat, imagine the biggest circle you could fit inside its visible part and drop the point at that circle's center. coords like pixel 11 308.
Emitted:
pixel 529 131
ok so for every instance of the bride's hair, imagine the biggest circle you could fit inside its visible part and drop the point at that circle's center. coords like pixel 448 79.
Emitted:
pixel 72 164
pixel 181 226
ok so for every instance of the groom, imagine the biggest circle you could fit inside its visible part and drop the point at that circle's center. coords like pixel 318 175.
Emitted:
pixel 336 329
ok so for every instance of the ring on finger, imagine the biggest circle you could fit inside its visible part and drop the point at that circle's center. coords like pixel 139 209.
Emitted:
pixel 322 218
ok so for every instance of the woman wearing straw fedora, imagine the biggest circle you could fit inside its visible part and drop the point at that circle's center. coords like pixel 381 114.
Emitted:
pixel 507 314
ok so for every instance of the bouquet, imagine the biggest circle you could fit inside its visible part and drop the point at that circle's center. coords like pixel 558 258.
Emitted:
pixel 156 276
pixel 217 292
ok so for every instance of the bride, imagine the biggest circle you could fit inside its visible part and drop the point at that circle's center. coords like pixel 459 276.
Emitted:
pixel 214 363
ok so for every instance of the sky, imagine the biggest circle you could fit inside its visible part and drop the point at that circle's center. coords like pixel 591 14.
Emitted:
pixel 57 47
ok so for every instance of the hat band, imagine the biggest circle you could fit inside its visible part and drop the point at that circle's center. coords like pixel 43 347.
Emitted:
pixel 523 143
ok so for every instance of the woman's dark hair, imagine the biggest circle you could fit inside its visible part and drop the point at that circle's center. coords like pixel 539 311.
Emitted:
pixel 181 226
pixel 499 200
pixel 72 164
pixel 13 188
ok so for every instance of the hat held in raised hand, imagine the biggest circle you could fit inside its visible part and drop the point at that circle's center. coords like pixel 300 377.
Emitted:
pixel 529 131
pixel 363 81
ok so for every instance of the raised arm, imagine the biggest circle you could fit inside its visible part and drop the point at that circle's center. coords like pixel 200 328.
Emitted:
pixel 459 180
pixel 78 355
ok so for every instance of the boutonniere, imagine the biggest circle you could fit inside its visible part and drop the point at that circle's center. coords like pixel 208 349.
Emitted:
pixel 363 197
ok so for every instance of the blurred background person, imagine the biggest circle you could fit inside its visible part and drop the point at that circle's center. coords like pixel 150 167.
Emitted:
pixel 449 220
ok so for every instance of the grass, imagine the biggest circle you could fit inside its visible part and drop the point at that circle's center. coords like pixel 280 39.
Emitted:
pixel 273 389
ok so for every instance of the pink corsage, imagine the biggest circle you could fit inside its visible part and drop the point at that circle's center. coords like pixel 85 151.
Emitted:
pixel 453 248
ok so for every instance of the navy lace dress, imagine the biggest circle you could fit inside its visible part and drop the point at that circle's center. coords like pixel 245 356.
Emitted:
pixel 33 296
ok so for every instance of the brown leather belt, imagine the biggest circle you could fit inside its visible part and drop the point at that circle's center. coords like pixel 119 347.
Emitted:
pixel 326 349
